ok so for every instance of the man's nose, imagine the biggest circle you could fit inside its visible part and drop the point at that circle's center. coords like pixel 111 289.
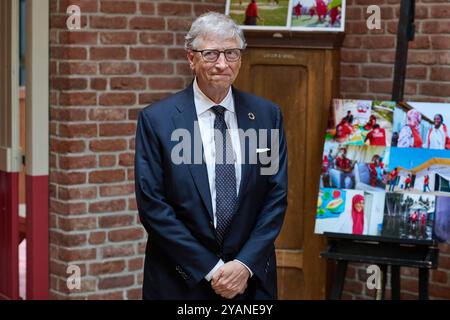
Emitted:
pixel 221 61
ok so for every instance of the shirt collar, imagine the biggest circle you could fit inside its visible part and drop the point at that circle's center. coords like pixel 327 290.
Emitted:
pixel 203 103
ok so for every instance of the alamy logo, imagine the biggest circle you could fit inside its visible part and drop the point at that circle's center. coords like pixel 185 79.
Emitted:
pixel 374 280
pixel 254 145
pixel 74 280
pixel 374 20
pixel 74 20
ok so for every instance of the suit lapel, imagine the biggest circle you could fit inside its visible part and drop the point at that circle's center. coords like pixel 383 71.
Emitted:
pixel 244 123
pixel 187 119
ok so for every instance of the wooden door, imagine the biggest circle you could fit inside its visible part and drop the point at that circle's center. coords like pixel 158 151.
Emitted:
pixel 297 80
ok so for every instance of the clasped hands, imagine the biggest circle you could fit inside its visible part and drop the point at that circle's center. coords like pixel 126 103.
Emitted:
pixel 230 279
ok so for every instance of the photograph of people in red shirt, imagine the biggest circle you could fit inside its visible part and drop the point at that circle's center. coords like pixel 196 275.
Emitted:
pixel 375 167
pixel 426 183
pixel 314 14
pixel 393 179
pixel 342 162
pixel 376 137
pixel 414 221
pixel 345 165
pixel 298 10
pixel 408 181
pixel 251 14
pixel 343 130
pixel 361 122
pixel 354 167
pixel 371 123
pixel 262 14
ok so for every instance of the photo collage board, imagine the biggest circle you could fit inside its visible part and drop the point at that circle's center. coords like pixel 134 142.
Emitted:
pixel 292 15
pixel 386 170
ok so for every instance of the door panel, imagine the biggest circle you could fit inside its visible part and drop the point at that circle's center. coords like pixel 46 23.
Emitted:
pixel 279 90
pixel 294 79
pixel 294 289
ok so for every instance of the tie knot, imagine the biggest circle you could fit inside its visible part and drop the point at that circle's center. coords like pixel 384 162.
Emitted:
pixel 218 110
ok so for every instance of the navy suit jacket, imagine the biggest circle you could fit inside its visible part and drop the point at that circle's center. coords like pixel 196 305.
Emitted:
pixel 174 203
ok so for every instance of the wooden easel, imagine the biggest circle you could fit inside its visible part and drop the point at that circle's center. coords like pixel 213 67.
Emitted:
pixel 384 252
pixel 405 34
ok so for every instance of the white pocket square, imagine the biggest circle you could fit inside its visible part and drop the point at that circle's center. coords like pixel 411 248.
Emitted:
pixel 262 150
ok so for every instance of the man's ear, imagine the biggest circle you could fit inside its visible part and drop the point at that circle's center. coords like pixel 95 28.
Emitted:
pixel 190 56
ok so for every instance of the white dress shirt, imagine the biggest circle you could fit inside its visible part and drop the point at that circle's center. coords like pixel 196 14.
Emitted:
pixel 206 119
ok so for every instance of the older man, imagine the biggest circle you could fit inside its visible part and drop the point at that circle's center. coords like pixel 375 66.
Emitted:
pixel 211 219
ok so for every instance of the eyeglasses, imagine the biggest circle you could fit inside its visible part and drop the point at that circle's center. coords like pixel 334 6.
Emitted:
pixel 210 55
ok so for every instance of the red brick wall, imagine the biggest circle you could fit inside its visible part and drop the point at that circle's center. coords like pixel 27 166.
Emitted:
pixel 368 55
pixel 367 72
pixel 128 54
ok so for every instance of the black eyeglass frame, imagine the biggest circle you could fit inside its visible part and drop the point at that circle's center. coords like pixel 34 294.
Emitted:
pixel 219 52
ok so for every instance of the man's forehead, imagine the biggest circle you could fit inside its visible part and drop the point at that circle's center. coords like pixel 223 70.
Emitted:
pixel 209 40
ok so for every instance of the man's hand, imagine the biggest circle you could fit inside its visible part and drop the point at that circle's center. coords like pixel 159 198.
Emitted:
pixel 230 279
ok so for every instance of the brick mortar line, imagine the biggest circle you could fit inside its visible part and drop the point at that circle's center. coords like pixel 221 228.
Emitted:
pixel 128 227
pixel 134 243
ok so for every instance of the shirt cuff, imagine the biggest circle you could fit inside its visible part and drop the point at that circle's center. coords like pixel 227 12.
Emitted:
pixel 250 271
pixel 220 263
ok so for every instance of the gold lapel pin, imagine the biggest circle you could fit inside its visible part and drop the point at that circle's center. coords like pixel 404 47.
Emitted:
pixel 251 116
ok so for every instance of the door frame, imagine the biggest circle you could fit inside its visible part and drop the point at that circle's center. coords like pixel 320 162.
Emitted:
pixel 36 153
pixel 37 148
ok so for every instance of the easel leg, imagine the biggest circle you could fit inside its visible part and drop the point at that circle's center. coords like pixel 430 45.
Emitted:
pixel 423 283
pixel 338 286
pixel 395 282
pixel 381 293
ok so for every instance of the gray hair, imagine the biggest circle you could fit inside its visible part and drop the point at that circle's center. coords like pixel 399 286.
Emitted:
pixel 217 24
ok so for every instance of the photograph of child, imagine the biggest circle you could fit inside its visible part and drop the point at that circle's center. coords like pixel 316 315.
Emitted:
pixel 317 14
pixel 409 216
pixel 259 13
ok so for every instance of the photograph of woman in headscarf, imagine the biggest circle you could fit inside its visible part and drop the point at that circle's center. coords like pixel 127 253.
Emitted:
pixel 409 136
pixel 358 214
pixel 349 211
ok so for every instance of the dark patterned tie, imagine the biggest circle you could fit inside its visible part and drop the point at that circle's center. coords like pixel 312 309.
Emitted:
pixel 225 174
